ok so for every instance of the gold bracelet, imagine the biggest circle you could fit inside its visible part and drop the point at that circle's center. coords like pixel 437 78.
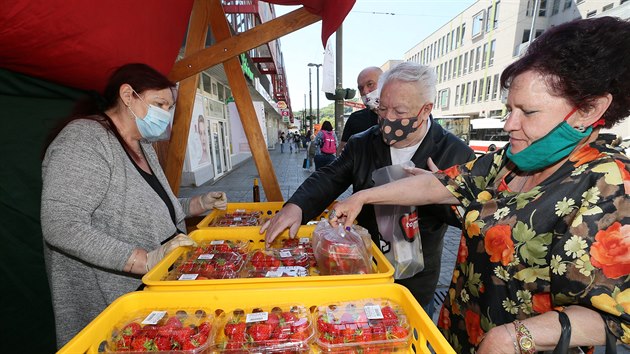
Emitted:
pixel 516 349
pixel 135 255
pixel 524 338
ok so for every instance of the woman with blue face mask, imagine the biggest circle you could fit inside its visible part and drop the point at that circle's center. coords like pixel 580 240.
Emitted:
pixel 547 218
pixel 108 214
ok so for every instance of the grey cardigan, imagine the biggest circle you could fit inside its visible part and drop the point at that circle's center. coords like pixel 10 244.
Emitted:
pixel 96 208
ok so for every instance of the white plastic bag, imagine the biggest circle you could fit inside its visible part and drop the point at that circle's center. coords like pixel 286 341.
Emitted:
pixel 398 226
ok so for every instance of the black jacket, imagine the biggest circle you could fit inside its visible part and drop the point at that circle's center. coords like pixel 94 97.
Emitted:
pixel 366 152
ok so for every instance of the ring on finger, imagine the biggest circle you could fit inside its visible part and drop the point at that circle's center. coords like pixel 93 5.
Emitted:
pixel 332 214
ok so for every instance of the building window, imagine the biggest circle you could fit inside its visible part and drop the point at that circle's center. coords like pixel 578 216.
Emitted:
pixel 542 12
pixel 444 72
pixel 495 83
pixel 458 38
pixel 443 97
pixel 491 56
pixel 453 40
pixel 220 91
pixel 448 42
pixel 555 8
pixel 488 19
pixel 487 94
pixel 579 1
pixel 480 91
pixel 467 92
pixel 456 103
pixel 496 15
pixel 477 58
pixel 207 83
pixel 454 67
pixel 459 66
pixel 450 67
pixel 607 7
pixel 461 96
pixel 465 62
pixel 591 14
pixel 526 35
pixel 567 4
pixel 477 24
pixel 472 60
pixel 484 55
pixel 444 45
pixel 463 32
pixel 473 95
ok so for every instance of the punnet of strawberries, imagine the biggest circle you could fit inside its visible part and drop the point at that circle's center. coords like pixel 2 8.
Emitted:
pixel 195 265
pixel 339 251
pixel 239 217
pixel 220 246
pixel 185 330
pixel 279 329
pixel 369 326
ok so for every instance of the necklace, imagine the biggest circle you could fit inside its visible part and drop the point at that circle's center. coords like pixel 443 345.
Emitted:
pixel 525 179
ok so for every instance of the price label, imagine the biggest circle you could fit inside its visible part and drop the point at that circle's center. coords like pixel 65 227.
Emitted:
pixel 373 312
pixel 154 317
pixel 285 254
pixel 256 317
pixel 217 242
pixel 273 274
pixel 188 277
pixel 206 256
pixel 305 240
pixel 240 211
pixel 237 218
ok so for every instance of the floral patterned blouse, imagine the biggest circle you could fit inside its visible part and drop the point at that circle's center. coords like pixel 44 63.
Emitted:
pixel 566 241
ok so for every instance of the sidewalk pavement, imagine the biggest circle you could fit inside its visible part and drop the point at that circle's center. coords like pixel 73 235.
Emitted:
pixel 238 182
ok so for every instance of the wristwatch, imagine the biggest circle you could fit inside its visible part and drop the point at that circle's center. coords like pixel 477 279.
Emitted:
pixel 524 338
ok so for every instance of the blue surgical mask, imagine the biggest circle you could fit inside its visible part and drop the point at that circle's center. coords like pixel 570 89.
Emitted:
pixel 154 124
pixel 549 149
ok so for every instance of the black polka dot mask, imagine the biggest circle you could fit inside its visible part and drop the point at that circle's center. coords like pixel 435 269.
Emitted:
pixel 395 130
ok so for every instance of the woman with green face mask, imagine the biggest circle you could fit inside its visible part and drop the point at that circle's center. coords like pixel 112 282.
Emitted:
pixel 546 220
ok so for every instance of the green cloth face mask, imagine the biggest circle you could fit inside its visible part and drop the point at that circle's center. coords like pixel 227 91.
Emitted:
pixel 549 149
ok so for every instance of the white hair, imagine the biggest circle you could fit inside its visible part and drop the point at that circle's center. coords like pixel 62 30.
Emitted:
pixel 423 76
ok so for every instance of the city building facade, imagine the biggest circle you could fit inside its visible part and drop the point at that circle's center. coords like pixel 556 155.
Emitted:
pixel 471 50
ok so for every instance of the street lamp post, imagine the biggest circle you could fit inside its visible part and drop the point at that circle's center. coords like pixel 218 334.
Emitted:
pixel 317 66
pixel 310 100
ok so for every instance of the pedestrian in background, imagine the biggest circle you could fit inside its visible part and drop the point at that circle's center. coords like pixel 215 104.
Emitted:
pixel 282 140
pixel 311 151
pixel 326 143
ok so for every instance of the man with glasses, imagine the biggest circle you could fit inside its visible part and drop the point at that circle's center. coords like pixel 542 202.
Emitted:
pixel 405 132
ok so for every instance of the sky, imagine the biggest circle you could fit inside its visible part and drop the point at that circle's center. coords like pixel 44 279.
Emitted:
pixel 374 32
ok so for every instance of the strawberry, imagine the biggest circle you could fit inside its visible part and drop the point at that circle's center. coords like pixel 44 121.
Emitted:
pixel 204 328
pixel 183 334
pixel 191 344
pixel 281 333
pixel 259 332
pixel 162 343
pixel 131 329
pixel 363 335
pixel 150 331
pixel 289 317
pixel 142 343
pixel 300 325
pixel 174 322
pixel 273 320
pixel 122 343
pixel 397 332
pixel 389 316
pixel 379 332
pixel 234 327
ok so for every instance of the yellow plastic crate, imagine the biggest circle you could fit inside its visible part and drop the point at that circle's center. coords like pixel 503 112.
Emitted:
pixel 424 332
pixel 267 209
pixel 383 270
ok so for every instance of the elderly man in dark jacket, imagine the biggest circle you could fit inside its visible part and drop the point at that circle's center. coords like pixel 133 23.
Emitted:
pixel 405 132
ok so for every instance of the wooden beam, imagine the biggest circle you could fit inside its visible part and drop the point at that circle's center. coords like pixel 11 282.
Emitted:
pixel 238 85
pixel 176 151
pixel 233 46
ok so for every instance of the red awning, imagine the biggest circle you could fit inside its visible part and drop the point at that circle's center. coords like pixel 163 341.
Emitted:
pixel 78 43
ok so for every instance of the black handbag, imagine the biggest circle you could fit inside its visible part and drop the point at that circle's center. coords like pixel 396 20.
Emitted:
pixel 565 337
